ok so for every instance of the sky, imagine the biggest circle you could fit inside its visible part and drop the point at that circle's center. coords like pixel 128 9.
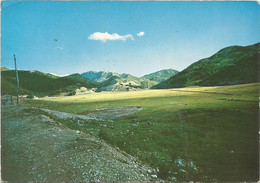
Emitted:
pixel 137 38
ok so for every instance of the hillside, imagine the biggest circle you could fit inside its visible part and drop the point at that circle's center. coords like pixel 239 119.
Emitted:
pixel 161 75
pixel 42 84
pixel 109 81
pixel 231 65
pixel 5 69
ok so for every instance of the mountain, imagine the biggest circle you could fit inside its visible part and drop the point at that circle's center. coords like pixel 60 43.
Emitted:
pixel 42 84
pixel 231 65
pixel 109 81
pixel 161 75
pixel 5 69
pixel 100 76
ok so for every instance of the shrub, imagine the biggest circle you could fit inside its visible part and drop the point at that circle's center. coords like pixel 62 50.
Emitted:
pixel 98 90
pixel 71 93
pixel 164 171
pixel 31 96
pixel 55 92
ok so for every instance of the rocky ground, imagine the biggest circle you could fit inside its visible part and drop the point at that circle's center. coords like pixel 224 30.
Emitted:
pixel 36 148
pixel 113 113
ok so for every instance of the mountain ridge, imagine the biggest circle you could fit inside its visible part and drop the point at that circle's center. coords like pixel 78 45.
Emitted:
pixel 120 82
pixel 42 84
pixel 161 75
pixel 228 66
pixel 111 81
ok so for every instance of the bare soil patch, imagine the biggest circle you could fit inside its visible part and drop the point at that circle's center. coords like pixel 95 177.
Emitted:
pixel 113 113
pixel 36 148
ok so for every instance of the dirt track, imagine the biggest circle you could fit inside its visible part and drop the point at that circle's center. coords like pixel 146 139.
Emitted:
pixel 36 148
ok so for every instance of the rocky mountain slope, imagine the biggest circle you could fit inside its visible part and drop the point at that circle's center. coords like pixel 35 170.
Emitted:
pixel 109 81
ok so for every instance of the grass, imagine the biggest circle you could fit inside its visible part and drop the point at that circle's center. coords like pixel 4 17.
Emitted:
pixel 198 133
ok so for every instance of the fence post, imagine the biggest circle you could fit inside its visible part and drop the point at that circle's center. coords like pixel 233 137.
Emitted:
pixel 17 80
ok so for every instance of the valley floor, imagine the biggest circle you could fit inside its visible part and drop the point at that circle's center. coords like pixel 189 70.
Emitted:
pixel 189 134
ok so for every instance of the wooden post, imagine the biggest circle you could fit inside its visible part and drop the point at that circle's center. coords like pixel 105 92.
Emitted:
pixel 7 99
pixel 17 79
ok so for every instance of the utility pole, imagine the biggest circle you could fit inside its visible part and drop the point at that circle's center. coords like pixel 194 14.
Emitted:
pixel 17 79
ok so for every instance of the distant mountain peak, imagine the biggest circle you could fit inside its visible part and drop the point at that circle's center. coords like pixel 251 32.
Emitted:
pixel 161 75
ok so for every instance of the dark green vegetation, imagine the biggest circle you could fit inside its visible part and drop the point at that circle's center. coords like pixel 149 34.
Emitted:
pixel 41 84
pixel 161 75
pixel 199 134
pixel 229 66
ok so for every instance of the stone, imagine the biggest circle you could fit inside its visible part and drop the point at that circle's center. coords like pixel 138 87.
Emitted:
pixel 154 176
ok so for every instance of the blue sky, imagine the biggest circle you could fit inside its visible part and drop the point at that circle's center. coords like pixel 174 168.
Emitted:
pixel 74 37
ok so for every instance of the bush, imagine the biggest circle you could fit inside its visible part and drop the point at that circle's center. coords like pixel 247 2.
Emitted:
pixel 55 92
pixel 98 90
pixel 164 171
pixel 71 93
pixel 31 96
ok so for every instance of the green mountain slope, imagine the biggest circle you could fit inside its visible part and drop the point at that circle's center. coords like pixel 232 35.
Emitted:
pixel 231 65
pixel 109 81
pixel 41 84
pixel 161 75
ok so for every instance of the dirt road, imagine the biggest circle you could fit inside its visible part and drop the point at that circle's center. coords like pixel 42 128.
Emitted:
pixel 36 148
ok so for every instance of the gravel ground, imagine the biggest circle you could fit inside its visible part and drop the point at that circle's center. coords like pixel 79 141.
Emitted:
pixel 113 113
pixel 36 148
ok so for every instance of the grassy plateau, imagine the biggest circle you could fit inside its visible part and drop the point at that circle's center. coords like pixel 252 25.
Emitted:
pixel 196 133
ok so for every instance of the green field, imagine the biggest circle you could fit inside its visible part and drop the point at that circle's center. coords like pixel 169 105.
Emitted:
pixel 198 133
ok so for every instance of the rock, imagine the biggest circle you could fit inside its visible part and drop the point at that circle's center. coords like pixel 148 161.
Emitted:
pixel 149 171
pixel 161 181
pixel 154 176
